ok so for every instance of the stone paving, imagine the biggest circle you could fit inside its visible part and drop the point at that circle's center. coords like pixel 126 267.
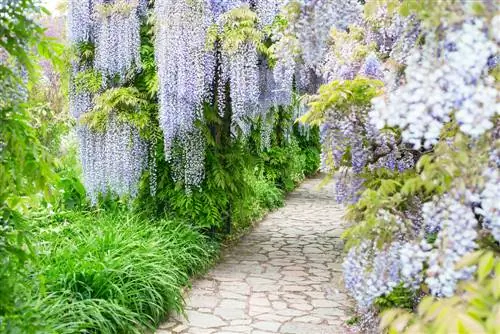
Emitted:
pixel 283 277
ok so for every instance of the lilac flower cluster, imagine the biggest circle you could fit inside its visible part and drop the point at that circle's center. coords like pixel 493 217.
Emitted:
pixel 113 161
pixel 413 256
pixel 244 86
pixel 184 72
pixel 442 78
pixel 303 44
pixel 81 28
pixel 267 10
pixel 349 55
pixel 187 69
pixel 348 187
pixel 395 35
pixel 370 273
pixel 456 238
pixel 80 22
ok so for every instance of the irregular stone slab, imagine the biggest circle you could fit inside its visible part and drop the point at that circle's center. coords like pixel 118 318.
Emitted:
pixel 203 320
pixel 202 301
pixel 324 303
pixel 232 304
pixel 266 326
pixel 230 313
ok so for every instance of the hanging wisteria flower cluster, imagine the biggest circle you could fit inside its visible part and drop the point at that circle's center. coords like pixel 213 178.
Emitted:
pixel 112 161
pixel 444 78
pixel 343 47
pixel 185 72
pixel 117 37
pixel 368 276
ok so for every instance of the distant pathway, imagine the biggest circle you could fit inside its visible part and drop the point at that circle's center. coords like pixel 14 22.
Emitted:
pixel 283 277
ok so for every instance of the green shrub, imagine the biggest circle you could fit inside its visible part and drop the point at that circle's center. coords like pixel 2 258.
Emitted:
pixel 400 296
pixel 284 165
pixel 264 197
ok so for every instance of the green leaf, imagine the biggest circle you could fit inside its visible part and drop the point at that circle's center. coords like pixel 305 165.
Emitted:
pixel 466 324
pixel 469 259
pixel 486 263
pixel 388 317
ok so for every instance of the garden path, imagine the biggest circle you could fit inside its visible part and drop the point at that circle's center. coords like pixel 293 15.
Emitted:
pixel 283 277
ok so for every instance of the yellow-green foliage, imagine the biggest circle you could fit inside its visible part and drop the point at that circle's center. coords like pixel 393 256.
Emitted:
pixel 126 103
pixel 453 160
pixel 121 7
pixel 474 309
pixel 351 40
pixel 88 81
pixel 341 96
pixel 280 28
pixel 240 26
pixel 430 13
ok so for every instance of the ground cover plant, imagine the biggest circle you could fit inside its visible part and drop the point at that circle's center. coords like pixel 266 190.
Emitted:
pixel 119 275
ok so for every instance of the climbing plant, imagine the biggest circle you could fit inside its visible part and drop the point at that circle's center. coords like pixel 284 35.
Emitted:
pixel 408 110
pixel 406 99
pixel 188 105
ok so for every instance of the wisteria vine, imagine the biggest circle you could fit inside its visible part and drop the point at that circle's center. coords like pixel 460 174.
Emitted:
pixel 208 54
pixel 408 109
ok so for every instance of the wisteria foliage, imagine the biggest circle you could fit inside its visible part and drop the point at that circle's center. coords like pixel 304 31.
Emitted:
pixel 202 48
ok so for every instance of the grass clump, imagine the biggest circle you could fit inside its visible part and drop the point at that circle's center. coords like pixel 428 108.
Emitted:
pixel 115 273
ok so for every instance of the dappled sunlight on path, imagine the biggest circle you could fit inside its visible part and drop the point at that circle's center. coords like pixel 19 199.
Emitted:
pixel 283 277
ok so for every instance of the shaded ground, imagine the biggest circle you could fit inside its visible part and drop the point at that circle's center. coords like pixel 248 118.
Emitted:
pixel 283 277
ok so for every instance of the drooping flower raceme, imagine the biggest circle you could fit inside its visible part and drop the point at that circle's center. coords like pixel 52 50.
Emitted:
pixel 244 86
pixel 456 238
pixel 80 20
pixel 113 161
pixel 183 71
pixel 267 10
pixel 81 28
pixel 117 37
pixel 370 273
